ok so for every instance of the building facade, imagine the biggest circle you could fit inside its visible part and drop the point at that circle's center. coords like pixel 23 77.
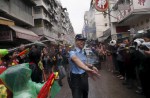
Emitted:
pixel 89 29
pixel 32 20
pixel 51 20
pixel 102 22
pixel 132 16
pixel 18 10
pixel 21 13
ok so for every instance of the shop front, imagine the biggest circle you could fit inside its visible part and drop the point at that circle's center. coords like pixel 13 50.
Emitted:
pixel 12 36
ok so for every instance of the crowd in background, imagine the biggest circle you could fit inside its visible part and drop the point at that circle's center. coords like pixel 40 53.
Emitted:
pixel 128 61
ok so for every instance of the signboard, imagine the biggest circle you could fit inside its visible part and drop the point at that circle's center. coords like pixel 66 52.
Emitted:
pixel 126 34
pixel 120 35
pixel 101 5
pixel 141 4
pixel 6 36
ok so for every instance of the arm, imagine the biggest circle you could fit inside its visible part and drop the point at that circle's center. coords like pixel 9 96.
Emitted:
pixel 80 64
pixel 92 67
pixel 92 72
pixel 147 53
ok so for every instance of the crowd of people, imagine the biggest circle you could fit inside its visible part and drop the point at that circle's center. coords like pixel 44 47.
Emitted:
pixel 124 57
pixel 42 61
pixel 129 59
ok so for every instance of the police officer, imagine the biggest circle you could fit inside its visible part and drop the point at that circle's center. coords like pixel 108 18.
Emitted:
pixel 79 70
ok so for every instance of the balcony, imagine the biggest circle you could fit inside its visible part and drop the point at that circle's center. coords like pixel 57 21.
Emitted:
pixel 49 33
pixel 45 32
pixel 41 3
pixel 42 16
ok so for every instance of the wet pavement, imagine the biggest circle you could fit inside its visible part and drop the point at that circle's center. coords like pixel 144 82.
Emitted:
pixel 108 86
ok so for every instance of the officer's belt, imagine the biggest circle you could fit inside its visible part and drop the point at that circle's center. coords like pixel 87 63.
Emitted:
pixel 79 75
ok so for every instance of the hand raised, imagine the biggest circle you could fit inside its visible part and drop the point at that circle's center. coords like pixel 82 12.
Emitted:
pixel 93 73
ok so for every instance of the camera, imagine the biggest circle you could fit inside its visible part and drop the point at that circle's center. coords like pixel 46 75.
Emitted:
pixel 138 42
pixel 145 46
pixel 112 42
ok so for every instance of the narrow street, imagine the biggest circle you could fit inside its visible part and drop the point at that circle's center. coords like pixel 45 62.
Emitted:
pixel 108 86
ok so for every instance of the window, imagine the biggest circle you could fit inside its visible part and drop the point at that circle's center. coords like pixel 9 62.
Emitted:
pixel 147 20
pixel 142 23
pixel 37 10
pixel 38 23
pixel 45 13
pixel 104 14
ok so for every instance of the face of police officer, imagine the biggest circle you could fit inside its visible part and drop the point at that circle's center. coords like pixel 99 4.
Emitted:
pixel 80 43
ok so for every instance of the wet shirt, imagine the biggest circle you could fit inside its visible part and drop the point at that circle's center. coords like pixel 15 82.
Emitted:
pixel 81 55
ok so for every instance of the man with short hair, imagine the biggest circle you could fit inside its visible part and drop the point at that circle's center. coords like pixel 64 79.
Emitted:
pixel 79 70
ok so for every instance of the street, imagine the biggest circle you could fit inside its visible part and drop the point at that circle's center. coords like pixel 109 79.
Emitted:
pixel 108 86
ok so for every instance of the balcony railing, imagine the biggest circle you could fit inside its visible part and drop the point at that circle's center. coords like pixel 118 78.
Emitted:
pixel 45 31
pixel 41 3
pixel 42 16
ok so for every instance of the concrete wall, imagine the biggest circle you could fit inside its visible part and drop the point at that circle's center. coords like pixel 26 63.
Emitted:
pixel 100 23
pixel 41 3
pixel 46 32
pixel 4 6
pixel 42 15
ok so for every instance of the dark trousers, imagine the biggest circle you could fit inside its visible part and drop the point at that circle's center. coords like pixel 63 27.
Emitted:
pixel 121 67
pixel 79 85
pixel 145 82
pixel 114 60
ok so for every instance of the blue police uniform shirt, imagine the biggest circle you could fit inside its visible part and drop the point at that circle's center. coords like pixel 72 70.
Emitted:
pixel 81 55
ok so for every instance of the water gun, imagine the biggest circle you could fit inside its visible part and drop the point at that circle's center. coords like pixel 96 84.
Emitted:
pixel 47 86
pixel 23 52
pixel 3 52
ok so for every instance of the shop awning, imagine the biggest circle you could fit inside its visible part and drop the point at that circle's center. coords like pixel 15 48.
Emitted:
pixel 24 33
pixel 134 16
pixel 5 21
pixel 106 34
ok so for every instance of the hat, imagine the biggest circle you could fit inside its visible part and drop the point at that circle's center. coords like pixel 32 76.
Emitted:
pixel 80 37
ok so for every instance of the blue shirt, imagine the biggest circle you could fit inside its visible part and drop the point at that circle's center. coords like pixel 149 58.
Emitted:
pixel 80 54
